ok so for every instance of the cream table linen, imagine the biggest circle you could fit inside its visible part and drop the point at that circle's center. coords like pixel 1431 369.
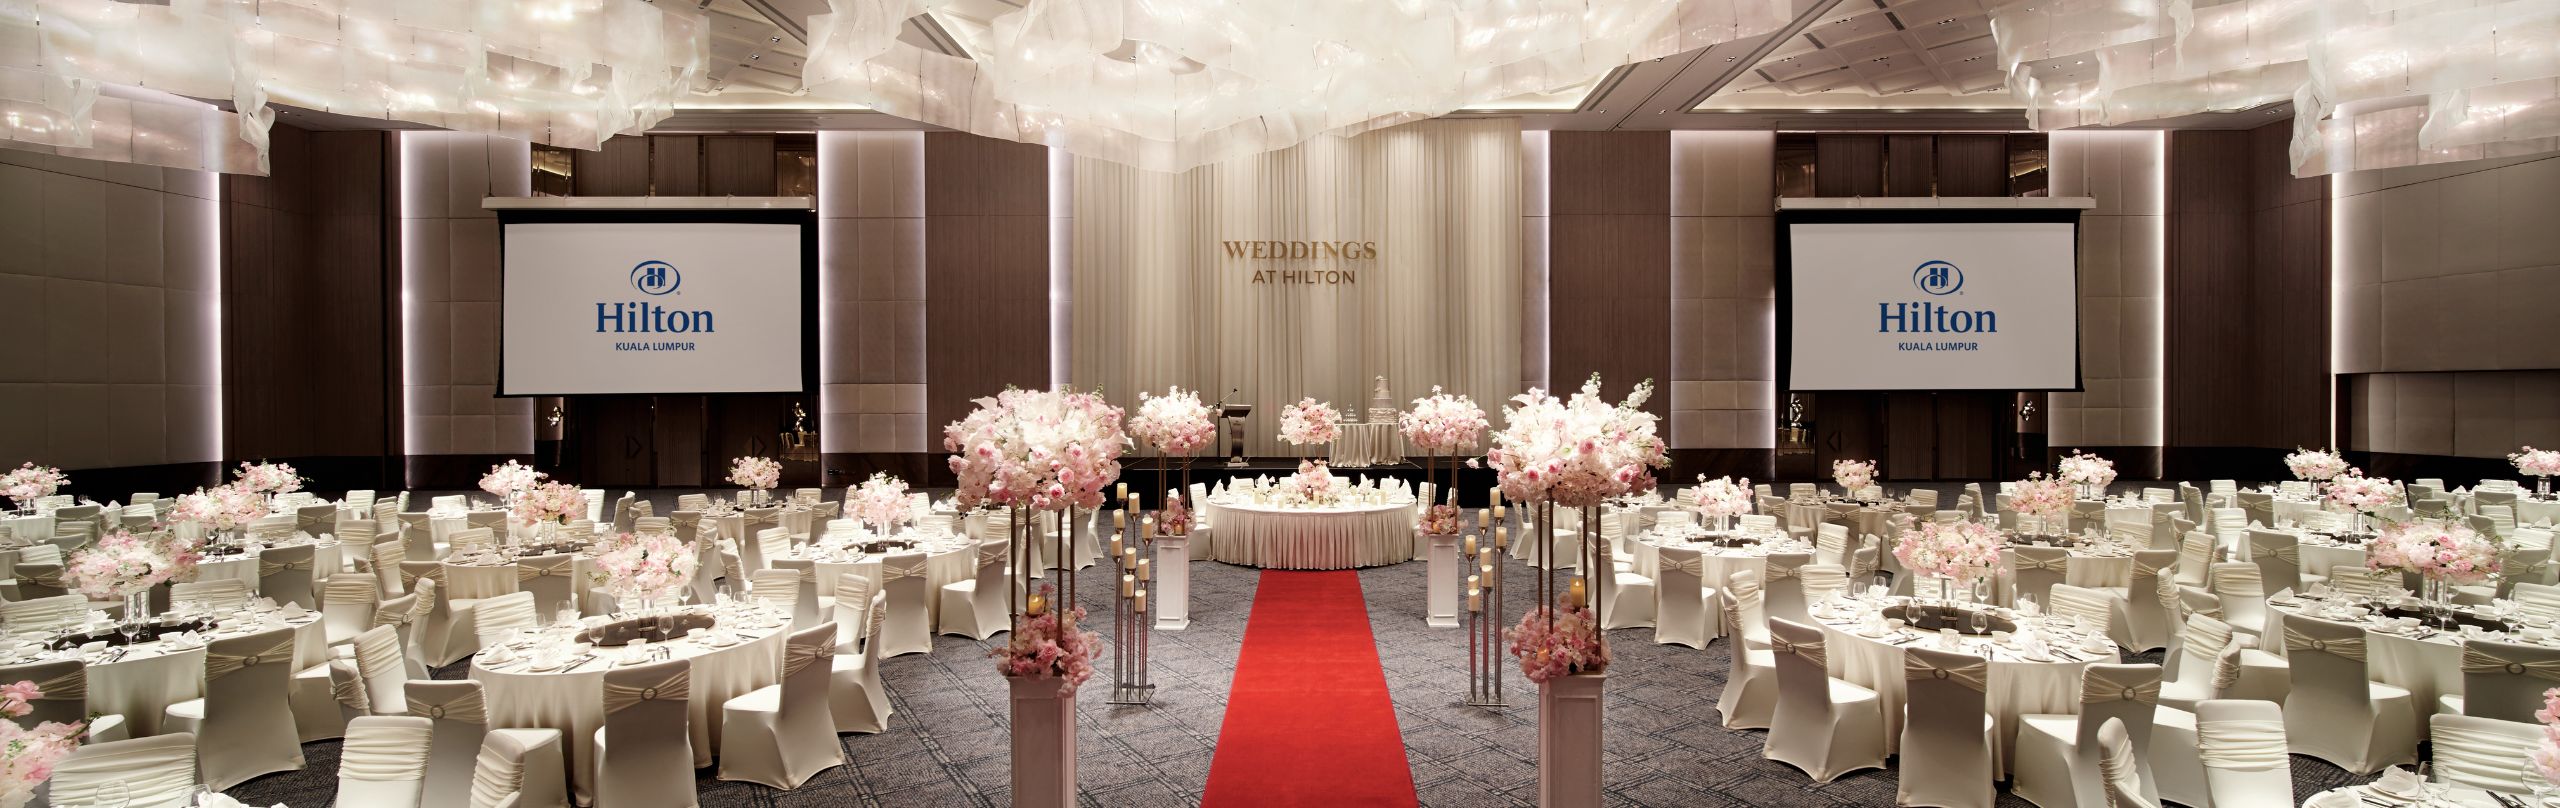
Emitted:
pixel 2427 668
pixel 1340 537
pixel 244 568
pixel 1363 445
pixel 156 674
pixel 945 563
pixel 2018 686
pixel 572 701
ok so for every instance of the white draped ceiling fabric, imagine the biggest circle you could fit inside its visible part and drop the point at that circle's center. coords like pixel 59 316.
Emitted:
pixel 1172 84
pixel 2375 83
pixel 1160 301
pixel 94 78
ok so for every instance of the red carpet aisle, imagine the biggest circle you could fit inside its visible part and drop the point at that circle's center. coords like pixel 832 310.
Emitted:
pixel 1308 720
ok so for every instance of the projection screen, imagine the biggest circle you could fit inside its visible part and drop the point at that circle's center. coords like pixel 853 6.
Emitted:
pixel 636 302
pixel 1931 300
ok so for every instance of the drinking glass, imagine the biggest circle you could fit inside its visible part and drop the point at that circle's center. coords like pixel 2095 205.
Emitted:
pixel 2535 782
pixel 1981 621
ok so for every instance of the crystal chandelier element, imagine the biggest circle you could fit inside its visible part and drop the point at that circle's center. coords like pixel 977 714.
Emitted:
pixel 563 72
pixel 2374 83
pixel 1172 84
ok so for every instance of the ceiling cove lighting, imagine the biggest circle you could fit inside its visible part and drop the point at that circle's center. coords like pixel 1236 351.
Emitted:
pixel 1172 84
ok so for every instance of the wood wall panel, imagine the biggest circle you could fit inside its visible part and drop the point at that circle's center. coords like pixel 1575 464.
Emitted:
pixel 675 165
pixel 737 165
pixel 620 168
pixel 1973 165
pixel 2247 262
pixel 1848 165
pixel 1911 165
pixel 307 289
pixel 986 270
pixel 1609 255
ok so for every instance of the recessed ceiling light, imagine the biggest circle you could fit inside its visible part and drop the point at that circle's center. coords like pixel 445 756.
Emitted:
pixel 777 39
pixel 755 56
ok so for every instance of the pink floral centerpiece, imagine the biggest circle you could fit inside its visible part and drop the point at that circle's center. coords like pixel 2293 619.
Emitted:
pixel 2315 465
pixel 2546 755
pixel 2541 464
pixel 1042 449
pixel 1443 423
pixel 2046 500
pixel 643 569
pixel 1309 422
pixel 1175 518
pixel 1853 474
pixel 1962 551
pixel 2440 552
pixel 1175 423
pixel 505 479
pixel 880 503
pixel 27 756
pixel 2366 496
pixel 1314 486
pixel 267 478
pixel 222 508
pixel 121 564
pixel 1720 500
pixel 549 505
pixel 30 482
pixel 2090 472
pixel 1442 519
pixel 756 474
pixel 1577 453
pixel 1564 644
pixel 1046 643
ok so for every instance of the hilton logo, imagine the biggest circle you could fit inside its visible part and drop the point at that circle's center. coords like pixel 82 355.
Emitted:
pixel 1938 278
pixel 656 277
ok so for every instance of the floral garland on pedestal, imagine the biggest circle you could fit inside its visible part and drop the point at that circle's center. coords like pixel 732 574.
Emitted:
pixel 1578 454
pixel 1176 424
pixel 1175 518
pixel 643 571
pixel 1047 643
pixel 1852 475
pixel 28 756
pixel 880 503
pixel 1309 422
pixel 756 474
pixel 1442 423
pixel 2090 472
pixel 1568 643
pixel 30 482
pixel 1720 500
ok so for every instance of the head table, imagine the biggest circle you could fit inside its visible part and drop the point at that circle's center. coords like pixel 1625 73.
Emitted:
pixel 1336 537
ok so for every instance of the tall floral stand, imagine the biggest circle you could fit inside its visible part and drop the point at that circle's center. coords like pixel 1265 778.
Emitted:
pixel 1569 741
pixel 1044 742
pixel 1173 582
pixel 1443 573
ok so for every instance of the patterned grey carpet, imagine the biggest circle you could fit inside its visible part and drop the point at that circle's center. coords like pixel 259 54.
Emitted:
pixel 947 746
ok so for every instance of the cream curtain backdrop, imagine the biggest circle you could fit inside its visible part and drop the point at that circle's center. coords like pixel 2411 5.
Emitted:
pixel 1158 302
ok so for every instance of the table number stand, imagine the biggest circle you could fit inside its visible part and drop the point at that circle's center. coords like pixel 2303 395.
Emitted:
pixel 1131 628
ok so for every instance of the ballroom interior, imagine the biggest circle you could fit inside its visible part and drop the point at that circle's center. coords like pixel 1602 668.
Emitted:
pixel 724 403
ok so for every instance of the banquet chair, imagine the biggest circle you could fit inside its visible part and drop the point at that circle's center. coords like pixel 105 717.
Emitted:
pixel 242 725
pixel 693 502
pixel 648 525
pixel 2279 559
pixel 417 533
pixel 776 588
pixel 514 768
pixel 465 587
pixel 855 695
pixel 2086 517
pixel 643 755
pixel 2151 600
pixel 857 597
pixel 154 772
pixel 553 581
pixel 460 711
pixel 595 503
pixel 1865 561
pixel 2257 507
pixel 1822 581
pixel 450 502
pixel 384 761
pixel 2242 743
pixel 975 608
pixel 622 514
pixel 2091 608
pixel 1757 523
pixel 355 545
pixel 1823 726
pixel 2502 680
pixel 217 595
pixel 806 608
pixel 500 617
pixel 63 687
pixel 2537 600
pixel 768 544
pixel 2356 581
pixel 400 614
pixel 1831 544
pixel 314 520
pixel 2130 525
pixel 1946 730
pixel 2197 552
pixel 2168 522
pixel 43 613
pixel 782 734
pixel 2056 758
pixel 753 522
pixel 2119 771
pixel 1629 596
pixel 1782 588
pixel 1749 700
pixel 470 540
pixel 908 629
pixel 387 556
pixel 2483 753
pixel 346 607
pixel 2034 571
pixel 40 580
pixel 2335 711
pixel 377 669
pixel 2243 594
pixel 1681 596
pixel 2213 663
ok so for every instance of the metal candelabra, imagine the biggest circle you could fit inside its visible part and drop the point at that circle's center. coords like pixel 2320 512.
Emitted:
pixel 1484 610
pixel 1130 627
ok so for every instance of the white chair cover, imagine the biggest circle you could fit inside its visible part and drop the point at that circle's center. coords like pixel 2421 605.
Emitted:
pixel 2151 600
pixel 2034 571
pixel 805 605
pixel 903 577
pixel 1781 587
pixel 2505 681
pixel 856 597
pixel 154 772
pixel 975 608
pixel 2241 743
pixel 854 692
pixel 1681 616
pixel 1750 698
pixel 2483 753
pixel 2279 559
pixel 1946 739
pixel 461 715
pixel 2118 772
pixel 643 753
pixel 2243 594
pixel 65 685
pixel 780 735
pixel 2335 711
pixel 501 616
pixel 517 768
pixel 383 670
pixel 44 613
pixel 1822 725
pixel 777 588
pixel 384 761
pixel 387 557
pixel 553 581
pixel 243 725
pixel 2059 760
pixel 346 606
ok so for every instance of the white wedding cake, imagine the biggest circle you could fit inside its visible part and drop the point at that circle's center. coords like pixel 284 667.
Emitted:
pixel 1382 405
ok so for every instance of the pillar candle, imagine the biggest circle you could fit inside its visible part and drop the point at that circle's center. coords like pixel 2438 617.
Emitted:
pixel 1138 502
pixel 1142 601
pixel 1471 545
pixel 1497 496
pixel 1485 569
pixel 1124 492
pixel 1475 600
pixel 1574 594
pixel 1502 537
pixel 1147 527
pixel 1128 583
pixel 1484 519
pixel 1115 547
pixel 1120 519
pixel 1146 569
pixel 1499 510
pixel 1474 583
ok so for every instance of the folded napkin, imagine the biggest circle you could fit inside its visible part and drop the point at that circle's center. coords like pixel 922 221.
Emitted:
pixel 2399 780
pixel 2341 798
pixel 293 610
pixel 2282 594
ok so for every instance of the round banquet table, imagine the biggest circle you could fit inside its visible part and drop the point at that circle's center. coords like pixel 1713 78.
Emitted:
pixel 572 700
pixel 1363 445
pixel 2018 686
pixel 1717 563
pixel 244 567
pixel 2425 662
pixel 159 673
pixel 946 562
pixel 1339 537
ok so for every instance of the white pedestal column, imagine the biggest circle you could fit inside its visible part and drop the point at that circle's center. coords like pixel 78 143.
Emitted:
pixel 1044 743
pixel 1569 741
pixel 1173 583
pixel 1442 599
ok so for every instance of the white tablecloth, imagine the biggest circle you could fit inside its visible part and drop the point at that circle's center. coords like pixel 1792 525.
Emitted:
pixel 2018 687
pixel 1363 445
pixel 573 701
pixel 2426 668
pixel 941 568
pixel 142 685
pixel 1334 538
pixel 244 568
pixel 1718 564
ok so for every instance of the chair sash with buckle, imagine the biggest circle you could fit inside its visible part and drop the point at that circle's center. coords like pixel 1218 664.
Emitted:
pixel 904 569
pixel 1694 566
pixel 564 569
pixel 2101 690
pixel 2061 564
pixel 72 685
pixel 1813 653
pixel 2475 660
pixel 1975 676
pixel 618 698
pixel 471 708
pixel 796 656
pixel 2347 647
pixel 217 666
